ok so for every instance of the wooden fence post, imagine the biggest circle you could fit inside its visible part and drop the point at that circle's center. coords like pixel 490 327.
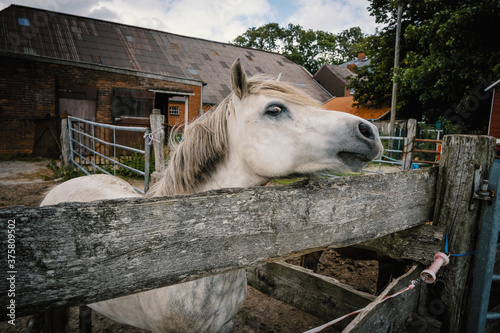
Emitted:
pixel 157 120
pixel 462 156
pixel 408 148
pixel 65 146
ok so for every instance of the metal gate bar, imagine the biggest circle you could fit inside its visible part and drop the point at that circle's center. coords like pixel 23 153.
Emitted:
pixel 485 258
pixel 73 141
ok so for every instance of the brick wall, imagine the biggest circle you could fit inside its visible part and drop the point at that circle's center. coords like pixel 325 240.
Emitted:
pixel 28 92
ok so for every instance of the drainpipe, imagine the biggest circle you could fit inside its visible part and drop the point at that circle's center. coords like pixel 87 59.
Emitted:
pixel 200 113
pixel 186 110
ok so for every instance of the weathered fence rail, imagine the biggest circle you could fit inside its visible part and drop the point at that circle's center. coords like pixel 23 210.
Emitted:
pixel 78 253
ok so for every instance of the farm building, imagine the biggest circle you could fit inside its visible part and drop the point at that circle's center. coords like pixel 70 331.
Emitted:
pixel 494 122
pixel 112 73
pixel 379 115
pixel 360 61
pixel 345 104
pixel 334 79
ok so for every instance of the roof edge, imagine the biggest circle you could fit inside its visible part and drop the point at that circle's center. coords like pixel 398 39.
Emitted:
pixel 100 67
pixel 493 85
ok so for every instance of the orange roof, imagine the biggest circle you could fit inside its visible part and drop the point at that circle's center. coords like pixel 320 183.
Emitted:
pixel 344 104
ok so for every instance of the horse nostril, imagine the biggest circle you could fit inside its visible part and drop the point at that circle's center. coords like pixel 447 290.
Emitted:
pixel 366 131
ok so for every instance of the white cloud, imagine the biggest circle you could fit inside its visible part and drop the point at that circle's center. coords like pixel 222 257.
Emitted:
pixel 333 16
pixel 219 20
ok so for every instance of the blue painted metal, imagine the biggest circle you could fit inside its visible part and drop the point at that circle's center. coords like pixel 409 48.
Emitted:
pixel 113 144
pixel 485 259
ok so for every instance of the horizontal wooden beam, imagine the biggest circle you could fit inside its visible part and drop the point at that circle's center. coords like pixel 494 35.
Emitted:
pixel 79 253
pixel 321 296
pixel 417 244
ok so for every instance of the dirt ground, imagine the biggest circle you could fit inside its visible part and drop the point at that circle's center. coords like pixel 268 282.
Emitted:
pixel 21 184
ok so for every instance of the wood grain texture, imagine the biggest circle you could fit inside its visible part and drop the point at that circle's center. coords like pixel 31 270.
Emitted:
pixel 417 244
pixel 394 314
pixel 461 155
pixel 321 296
pixel 78 253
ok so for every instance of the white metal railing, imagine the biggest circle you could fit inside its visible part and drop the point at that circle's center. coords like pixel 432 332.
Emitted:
pixel 76 140
pixel 384 159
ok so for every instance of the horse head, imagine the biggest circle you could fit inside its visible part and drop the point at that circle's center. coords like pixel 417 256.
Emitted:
pixel 276 130
pixel 265 129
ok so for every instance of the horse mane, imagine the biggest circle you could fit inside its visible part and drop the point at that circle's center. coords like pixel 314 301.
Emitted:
pixel 205 142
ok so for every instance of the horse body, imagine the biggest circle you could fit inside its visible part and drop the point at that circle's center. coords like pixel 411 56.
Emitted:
pixel 160 310
pixel 263 130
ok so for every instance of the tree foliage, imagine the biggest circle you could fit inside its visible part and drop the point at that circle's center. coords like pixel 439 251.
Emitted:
pixel 308 48
pixel 449 53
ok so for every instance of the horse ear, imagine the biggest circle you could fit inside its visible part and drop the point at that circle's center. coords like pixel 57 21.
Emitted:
pixel 239 79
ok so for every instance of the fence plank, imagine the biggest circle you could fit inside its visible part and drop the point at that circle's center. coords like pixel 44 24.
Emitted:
pixel 65 146
pixel 78 253
pixel 454 212
pixel 157 120
pixel 417 244
pixel 394 314
pixel 410 138
pixel 321 296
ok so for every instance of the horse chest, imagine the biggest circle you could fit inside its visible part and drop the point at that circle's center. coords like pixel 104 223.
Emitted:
pixel 203 305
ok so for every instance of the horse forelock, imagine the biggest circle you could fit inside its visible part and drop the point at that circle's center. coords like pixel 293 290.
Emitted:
pixel 262 85
pixel 205 142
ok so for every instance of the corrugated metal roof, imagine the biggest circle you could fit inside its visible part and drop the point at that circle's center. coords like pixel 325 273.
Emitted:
pixel 51 34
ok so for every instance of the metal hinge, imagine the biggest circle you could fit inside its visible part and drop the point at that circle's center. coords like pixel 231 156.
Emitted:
pixel 481 189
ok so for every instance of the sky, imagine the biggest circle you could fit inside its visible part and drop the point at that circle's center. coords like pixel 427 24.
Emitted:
pixel 217 20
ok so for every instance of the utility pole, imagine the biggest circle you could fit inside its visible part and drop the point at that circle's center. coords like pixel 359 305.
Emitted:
pixel 394 99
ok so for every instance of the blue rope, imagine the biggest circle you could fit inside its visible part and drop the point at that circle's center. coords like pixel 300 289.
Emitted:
pixel 456 255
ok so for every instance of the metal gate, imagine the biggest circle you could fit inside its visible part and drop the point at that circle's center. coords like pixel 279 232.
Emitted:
pixel 94 144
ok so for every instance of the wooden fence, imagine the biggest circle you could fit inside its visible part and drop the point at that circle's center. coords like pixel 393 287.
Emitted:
pixel 77 253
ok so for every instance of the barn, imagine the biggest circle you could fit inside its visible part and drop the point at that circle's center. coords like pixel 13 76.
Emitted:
pixel 112 73
pixel 335 79
pixel 494 122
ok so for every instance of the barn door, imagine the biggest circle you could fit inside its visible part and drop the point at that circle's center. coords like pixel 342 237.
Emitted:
pixel 80 102
pixel 47 134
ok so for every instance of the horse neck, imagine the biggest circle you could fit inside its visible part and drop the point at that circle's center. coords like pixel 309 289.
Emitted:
pixel 231 173
pixel 203 161
pixel 226 174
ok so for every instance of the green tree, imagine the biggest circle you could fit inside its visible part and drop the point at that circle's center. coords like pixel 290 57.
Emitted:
pixel 265 37
pixel 348 44
pixel 449 52
pixel 308 48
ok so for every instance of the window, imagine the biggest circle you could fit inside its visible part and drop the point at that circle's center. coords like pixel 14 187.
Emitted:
pixel 129 38
pixel 23 21
pixel 28 50
pixel 131 103
pixel 97 59
pixel 173 110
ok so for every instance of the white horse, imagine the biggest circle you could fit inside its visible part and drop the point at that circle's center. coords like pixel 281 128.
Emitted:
pixel 263 130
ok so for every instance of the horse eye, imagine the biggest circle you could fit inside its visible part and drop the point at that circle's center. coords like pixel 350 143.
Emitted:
pixel 274 110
